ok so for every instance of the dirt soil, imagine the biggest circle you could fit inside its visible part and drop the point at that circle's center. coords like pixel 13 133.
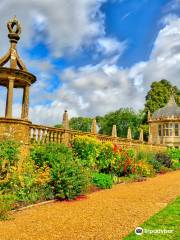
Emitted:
pixel 103 215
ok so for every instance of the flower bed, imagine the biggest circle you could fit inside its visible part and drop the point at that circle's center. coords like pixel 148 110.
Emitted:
pixel 54 171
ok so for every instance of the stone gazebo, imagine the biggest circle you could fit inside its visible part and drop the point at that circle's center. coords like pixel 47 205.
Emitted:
pixel 164 125
pixel 15 76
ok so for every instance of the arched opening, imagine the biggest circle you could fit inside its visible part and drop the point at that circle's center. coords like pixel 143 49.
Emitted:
pixel 3 95
pixel 17 102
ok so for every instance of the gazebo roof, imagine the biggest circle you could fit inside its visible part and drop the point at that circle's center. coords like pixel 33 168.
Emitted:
pixel 170 110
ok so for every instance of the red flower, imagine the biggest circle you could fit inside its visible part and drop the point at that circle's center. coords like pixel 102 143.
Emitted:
pixel 115 148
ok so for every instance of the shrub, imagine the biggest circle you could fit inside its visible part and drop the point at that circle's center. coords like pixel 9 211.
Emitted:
pixel 106 158
pixel 102 180
pixel 48 154
pixel 144 169
pixel 164 169
pixel 163 159
pixel 155 163
pixel 175 164
pixel 174 153
pixel 69 179
pixel 124 163
pixel 146 156
pixel 6 204
pixel 87 149
pixel 9 150
pixel 28 183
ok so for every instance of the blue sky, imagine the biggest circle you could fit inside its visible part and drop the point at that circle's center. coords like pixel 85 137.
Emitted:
pixel 93 56
pixel 136 22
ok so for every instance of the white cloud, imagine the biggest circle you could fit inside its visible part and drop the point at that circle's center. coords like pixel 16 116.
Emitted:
pixel 110 46
pixel 62 24
pixel 92 89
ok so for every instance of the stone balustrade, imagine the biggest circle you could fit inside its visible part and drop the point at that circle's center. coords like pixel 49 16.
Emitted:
pixel 45 134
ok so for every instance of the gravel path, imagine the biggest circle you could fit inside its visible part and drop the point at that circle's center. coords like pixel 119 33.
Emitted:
pixel 108 214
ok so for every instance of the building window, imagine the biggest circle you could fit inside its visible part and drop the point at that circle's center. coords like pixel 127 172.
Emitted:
pixel 160 130
pixel 170 129
pixel 166 129
pixel 176 129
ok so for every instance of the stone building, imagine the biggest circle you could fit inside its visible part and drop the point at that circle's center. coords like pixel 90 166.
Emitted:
pixel 164 125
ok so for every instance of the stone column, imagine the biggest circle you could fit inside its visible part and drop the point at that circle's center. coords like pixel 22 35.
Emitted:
pixel 9 100
pixel 66 136
pixel 94 127
pixel 141 136
pixel 65 122
pixel 25 103
pixel 114 131
pixel 129 134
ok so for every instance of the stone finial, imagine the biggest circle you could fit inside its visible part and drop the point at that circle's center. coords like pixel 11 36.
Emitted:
pixel 12 56
pixel 141 136
pixel 114 131
pixel 14 28
pixel 129 134
pixel 94 126
pixel 65 122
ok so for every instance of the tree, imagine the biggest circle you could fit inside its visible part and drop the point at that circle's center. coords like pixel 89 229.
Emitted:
pixel 58 125
pixel 159 95
pixel 122 118
pixel 81 124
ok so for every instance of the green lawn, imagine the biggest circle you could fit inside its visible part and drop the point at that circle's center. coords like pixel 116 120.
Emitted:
pixel 168 218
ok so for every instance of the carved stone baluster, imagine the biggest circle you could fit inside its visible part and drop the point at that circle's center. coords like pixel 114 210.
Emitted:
pixel 43 135
pixel 34 134
pixel 39 135
pixel 47 136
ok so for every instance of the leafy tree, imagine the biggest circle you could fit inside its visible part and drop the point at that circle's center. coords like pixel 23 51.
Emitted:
pixel 159 95
pixel 81 124
pixel 122 118
pixel 58 125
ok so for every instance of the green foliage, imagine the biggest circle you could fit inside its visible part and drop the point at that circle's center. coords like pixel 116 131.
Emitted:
pixel 106 158
pixel 9 150
pixel 144 169
pixel 6 204
pixel 159 95
pixel 48 154
pixel 102 180
pixel 163 159
pixel 174 153
pixel 150 158
pixel 124 162
pixel 58 125
pixel 69 179
pixel 81 124
pixel 28 183
pixel 123 118
pixel 87 149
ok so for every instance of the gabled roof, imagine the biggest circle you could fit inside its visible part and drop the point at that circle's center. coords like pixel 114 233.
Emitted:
pixel 170 110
